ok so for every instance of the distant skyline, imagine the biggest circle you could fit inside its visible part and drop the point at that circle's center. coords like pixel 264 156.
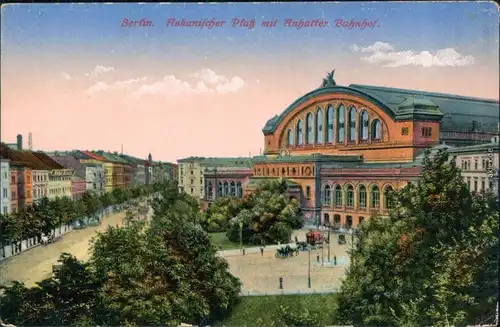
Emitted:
pixel 76 79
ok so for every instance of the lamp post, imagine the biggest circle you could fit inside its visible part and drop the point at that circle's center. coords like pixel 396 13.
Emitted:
pixel 241 236
pixel 328 242
pixel 309 271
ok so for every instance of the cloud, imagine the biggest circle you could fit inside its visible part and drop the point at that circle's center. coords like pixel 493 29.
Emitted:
pixel 102 86
pixel 384 53
pixel 66 76
pixel 99 71
pixel 206 81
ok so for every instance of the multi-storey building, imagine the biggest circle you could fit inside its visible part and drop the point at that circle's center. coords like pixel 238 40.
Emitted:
pixel 192 170
pixel 59 177
pixel 121 170
pixel 108 168
pixel 5 187
pixel 479 166
pixel 14 185
pixel 347 148
pixel 164 171
pixel 78 179
pixel 138 169
pixel 21 175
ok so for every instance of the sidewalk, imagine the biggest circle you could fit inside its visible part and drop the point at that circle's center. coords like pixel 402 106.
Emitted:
pixel 252 250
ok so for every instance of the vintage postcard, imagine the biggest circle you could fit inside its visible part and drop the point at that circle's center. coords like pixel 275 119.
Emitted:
pixel 249 164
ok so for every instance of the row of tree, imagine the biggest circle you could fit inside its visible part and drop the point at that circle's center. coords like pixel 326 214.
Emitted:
pixel 161 272
pixel 433 262
pixel 265 216
pixel 45 215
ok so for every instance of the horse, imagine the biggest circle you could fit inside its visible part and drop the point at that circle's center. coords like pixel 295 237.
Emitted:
pixel 46 239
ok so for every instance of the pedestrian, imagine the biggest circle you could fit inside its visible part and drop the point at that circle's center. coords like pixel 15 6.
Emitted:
pixel 261 251
pixel 334 260
pixel 296 239
pixel 243 251
pixel 317 257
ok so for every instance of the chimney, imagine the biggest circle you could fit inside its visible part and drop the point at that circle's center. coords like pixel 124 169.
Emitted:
pixel 19 142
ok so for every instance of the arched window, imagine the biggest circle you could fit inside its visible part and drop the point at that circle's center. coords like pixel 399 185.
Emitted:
pixel 226 189
pixel 340 124
pixel 376 130
pixel 336 219
pixel 233 189
pixel 289 137
pixel 327 195
pixel 363 126
pixel 360 220
pixel 239 190
pixel 309 128
pixel 387 198
pixel 338 196
pixel 350 196
pixel 329 124
pixel 375 197
pixel 348 222
pixel 326 219
pixel 220 190
pixel 298 133
pixel 210 190
pixel 319 126
pixel 351 132
pixel 362 197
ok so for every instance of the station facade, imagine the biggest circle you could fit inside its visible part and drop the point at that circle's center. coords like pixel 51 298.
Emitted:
pixel 342 150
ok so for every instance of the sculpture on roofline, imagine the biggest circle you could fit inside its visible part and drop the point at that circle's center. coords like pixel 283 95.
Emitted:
pixel 329 80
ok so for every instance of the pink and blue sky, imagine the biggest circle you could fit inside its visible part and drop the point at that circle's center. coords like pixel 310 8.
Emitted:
pixel 77 80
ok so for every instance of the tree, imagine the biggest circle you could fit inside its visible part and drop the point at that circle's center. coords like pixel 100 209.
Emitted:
pixel 421 265
pixel 266 215
pixel 217 216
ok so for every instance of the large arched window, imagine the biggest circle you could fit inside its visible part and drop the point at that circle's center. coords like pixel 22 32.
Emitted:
pixel 327 195
pixel 376 130
pixel 387 197
pixel 220 191
pixel 340 124
pixel 298 133
pixel 233 189
pixel 329 124
pixel 375 195
pixel 289 137
pixel 349 196
pixel 338 196
pixel 309 128
pixel 362 196
pixel 226 189
pixel 210 190
pixel 351 132
pixel 363 126
pixel 239 190
pixel 319 126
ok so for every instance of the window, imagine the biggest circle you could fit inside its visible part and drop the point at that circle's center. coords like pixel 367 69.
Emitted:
pixel 233 189
pixel 363 126
pixel 336 219
pixel 289 137
pixel 483 166
pixel 387 197
pixel 192 172
pixel 404 131
pixel 309 130
pixel 329 124
pixel 326 219
pixel 340 124
pixel 476 164
pixel 298 133
pixel 483 185
pixel 376 130
pixel 13 180
pixel 192 181
pixel 239 190
pixel 192 190
pixel 338 196
pixel 327 195
pixel 319 126
pixel 360 220
pixel 308 191
pixel 490 186
pixel 5 194
pixel 468 183
pixel 475 185
pixel 351 132
pixel 362 197
pixel 349 221
pixel 220 190
pixel 426 131
pixel 226 188
pixel 350 196
pixel 375 197
pixel 4 209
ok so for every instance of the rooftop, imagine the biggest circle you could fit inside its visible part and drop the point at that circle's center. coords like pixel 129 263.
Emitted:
pixel 26 158
pixel 315 157
pixel 456 113
pixel 222 161
pixel 48 161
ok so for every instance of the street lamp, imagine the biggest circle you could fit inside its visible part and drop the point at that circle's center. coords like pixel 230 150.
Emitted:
pixel 241 235
pixel 309 270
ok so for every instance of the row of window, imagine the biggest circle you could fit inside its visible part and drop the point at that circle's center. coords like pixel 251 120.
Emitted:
pixel 491 185
pixel 59 190
pixel 336 127
pixel 485 164
pixel 336 220
pixel 41 178
pixel 225 189
pixel 337 195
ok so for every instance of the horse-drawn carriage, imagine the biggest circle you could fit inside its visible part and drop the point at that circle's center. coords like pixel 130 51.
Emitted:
pixel 47 238
pixel 286 252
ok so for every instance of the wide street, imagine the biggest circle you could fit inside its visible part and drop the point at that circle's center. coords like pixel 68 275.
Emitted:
pixel 36 264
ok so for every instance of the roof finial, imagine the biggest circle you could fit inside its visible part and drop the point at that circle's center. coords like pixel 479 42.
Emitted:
pixel 329 80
